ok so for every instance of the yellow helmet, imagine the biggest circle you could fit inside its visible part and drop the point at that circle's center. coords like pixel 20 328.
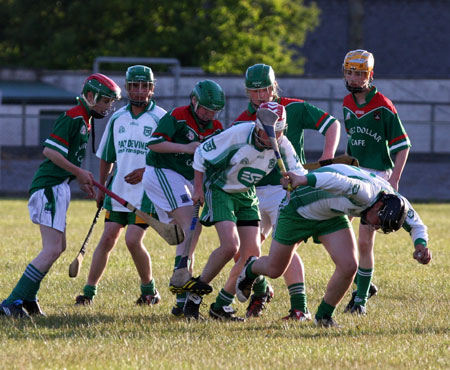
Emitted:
pixel 359 60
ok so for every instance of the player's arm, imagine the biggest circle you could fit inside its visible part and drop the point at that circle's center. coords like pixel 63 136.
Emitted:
pixel 290 157
pixel 105 170
pixel 400 160
pixel 199 195
pixel 84 177
pixel 332 136
pixel 169 147
pixel 419 234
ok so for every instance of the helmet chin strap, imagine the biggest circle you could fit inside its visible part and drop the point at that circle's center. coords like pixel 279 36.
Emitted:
pixel 358 89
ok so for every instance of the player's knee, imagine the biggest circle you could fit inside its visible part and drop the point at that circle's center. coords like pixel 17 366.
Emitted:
pixel 229 250
pixel 348 268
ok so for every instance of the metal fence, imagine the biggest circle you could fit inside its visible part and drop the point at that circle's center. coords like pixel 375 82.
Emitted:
pixel 427 124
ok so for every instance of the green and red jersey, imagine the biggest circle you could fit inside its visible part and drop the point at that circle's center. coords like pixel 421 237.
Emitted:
pixel 180 126
pixel 69 137
pixel 374 130
pixel 300 115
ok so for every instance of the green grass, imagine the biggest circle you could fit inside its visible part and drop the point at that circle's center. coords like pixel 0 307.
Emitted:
pixel 407 326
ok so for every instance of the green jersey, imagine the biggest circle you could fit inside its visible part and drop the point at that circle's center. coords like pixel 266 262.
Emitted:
pixel 69 137
pixel 179 126
pixel 374 130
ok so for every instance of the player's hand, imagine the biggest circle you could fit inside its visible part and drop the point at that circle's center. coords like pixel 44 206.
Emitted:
pixel 99 198
pixel 135 177
pixel 85 181
pixel 198 196
pixel 422 254
pixel 293 179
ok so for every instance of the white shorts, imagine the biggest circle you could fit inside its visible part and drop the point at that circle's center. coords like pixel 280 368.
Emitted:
pixel 49 206
pixel 386 174
pixel 168 190
pixel 270 197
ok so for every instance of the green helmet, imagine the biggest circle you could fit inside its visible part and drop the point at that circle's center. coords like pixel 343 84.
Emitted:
pixel 139 84
pixel 101 85
pixel 259 76
pixel 209 94
pixel 139 73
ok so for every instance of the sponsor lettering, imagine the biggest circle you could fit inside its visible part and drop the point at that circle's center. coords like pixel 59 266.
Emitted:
pixel 250 176
pixel 209 145
pixel 272 163
pixel 132 146
pixel 365 131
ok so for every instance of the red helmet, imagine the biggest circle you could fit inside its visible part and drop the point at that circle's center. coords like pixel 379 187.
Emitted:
pixel 276 108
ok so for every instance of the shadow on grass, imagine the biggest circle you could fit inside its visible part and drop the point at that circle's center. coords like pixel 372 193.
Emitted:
pixel 93 325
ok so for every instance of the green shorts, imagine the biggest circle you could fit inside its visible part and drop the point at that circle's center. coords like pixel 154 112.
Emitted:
pixel 126 218
pixel 223 206
pixel 292 228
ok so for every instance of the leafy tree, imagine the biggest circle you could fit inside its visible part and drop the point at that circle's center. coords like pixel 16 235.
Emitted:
pixel 221 36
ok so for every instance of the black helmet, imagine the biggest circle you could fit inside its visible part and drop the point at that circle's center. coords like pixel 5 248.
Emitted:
pixel 392 213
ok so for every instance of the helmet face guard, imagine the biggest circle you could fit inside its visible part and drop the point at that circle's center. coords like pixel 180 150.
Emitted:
pixel 260 84
pixel 209 95
pixel 392 213
pixel 359 63
pixel 101 86
pixel 139 84
pixel 270 123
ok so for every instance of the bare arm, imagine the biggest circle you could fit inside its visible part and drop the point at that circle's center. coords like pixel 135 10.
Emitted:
pixel 84 177
pixel 332 137
pixel 168 147
pixel 105 170
pixel 198 195
pixel 400 161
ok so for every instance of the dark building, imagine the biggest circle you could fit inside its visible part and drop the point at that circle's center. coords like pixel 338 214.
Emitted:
pixel 409 38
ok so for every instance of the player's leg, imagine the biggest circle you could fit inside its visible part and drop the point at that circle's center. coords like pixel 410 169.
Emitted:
pixel 366 242
pixel 53 244
pixel 294 278
pixel 229 245
pixel 48 208
pixel 114 225
pixel 134 240
pixel 341 246
pixel 171 193
pixel 365 289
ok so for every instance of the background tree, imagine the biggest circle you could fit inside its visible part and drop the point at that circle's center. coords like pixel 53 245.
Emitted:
pixel 222 36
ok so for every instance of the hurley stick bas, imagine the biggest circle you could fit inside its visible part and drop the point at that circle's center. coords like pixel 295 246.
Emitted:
pixel 171 233
pixel 181 273
pixel 268 120
pixel 74 267
pixel 340 159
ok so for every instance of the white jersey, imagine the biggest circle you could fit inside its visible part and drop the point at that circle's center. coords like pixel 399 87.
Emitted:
pixel 232 162
pixel 340 189
pixel 125 141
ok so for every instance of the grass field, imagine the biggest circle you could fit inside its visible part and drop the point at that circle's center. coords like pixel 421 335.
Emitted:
pixel 407 326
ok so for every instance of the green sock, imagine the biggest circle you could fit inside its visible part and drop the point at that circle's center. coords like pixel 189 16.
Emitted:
pixel 362 290
pixel 223 299
pixel 177 261
pixel 248 271
pixel 260 286
pixel 90 291
pixel 297 295
pixel 148 289
pixel 28 285
pixel 325 310
pixel 181 300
